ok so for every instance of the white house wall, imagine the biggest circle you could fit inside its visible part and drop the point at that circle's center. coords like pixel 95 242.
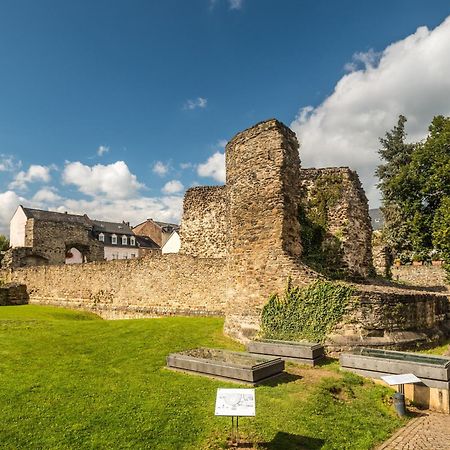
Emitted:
pixel 173 244
pixel 17 228
pixel 120 253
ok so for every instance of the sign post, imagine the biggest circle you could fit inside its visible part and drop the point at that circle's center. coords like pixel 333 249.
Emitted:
pixel 400 381
pixel 235 403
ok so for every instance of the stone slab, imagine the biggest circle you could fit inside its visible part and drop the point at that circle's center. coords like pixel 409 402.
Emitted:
pixel 246 368
pixel 426 367
pixel 298 352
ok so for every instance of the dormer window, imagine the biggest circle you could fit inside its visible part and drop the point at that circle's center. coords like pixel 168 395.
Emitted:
pixel 101 237
pixel 114 239
pixel 124 240
pixel 132 240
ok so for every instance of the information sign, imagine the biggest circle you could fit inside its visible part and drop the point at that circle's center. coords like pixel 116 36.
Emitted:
pixel 235 402
pixel 406 378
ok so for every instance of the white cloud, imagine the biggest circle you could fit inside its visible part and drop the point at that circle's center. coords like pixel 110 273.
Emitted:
pixel 411 78
pixel 160 168
pixel 184 166
pixel 235 4
pixel 46 195
pixel 35 173
pixel 8 163
pixel 113 180
pixel 102 149
pixel 221 143
pixel 199 102
pixel 365 60
pixel 214 167
pixel 136 210
pixel 172 187
pixel 9 201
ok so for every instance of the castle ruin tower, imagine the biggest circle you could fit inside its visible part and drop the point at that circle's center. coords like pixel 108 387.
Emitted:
pixel 264 246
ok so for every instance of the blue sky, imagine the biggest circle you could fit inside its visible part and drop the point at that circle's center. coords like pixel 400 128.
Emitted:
pixel 114 108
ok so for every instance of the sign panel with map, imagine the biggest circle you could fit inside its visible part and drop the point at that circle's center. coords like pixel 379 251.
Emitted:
pixel 235 402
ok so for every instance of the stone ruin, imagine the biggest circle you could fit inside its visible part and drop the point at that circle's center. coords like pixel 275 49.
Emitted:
pixel 260 223
pixel 253 221
pixel 241 242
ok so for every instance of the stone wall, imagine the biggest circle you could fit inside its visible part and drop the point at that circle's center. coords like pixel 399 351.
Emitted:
pixel 23 257
pixel 53 239
pixel 335 198
pixel 382 258
pixel 46 242
pixel 204 227
pixel 13 294
pixel 431 276
pixel 151 286
pixel 392 318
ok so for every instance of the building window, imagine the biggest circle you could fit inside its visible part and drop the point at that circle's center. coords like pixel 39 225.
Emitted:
pixel 113 239
pixel 124 240
pixel 132 240
pixel 101 237
pixel 133 255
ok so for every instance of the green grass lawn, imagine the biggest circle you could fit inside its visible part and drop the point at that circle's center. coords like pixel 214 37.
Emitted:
pixel 69 380
pixel 440 349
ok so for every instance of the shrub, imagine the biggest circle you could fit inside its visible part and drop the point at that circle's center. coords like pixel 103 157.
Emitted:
pixel 308 313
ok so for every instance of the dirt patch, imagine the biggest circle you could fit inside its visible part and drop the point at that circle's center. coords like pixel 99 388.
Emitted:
pixel 312 375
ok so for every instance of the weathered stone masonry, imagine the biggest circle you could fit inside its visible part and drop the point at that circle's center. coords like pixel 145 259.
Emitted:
pixel 204 230
pixel 147 287
pixel 13 294
pixel 240 243
pixel 346 211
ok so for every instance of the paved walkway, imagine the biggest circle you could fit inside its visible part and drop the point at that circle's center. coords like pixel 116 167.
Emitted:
pixel 431 431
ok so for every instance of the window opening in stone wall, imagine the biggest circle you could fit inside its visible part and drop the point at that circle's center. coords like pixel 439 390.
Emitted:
pixel 113 239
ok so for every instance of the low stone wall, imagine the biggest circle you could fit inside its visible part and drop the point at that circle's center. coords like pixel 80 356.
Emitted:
pixel 148 287
pixel 431 276
pixel 390 318
pixel 13 294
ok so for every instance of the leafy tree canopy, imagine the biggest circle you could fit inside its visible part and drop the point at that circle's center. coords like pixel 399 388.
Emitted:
pixel 415 185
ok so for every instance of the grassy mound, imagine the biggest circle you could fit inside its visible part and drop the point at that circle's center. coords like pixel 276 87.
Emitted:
pixel 71 380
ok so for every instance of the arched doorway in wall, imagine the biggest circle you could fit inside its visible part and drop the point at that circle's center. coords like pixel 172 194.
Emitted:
pixel 76 253
pixel 74 256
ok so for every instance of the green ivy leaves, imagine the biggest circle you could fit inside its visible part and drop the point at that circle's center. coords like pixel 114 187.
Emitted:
pixel 309 313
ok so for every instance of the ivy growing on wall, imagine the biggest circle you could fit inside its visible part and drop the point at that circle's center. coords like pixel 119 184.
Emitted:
pixel 321 249
pixel 305 313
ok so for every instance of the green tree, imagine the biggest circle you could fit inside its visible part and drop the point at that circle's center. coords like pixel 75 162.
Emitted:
pixel 397 156
pixel 415 185
pixel 441 232
pixel 4 243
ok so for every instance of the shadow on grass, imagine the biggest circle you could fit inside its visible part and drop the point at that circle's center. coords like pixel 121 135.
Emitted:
pixel 288 441
pixel 327 361
pixel 283 378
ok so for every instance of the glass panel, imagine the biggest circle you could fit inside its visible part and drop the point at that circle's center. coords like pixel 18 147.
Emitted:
pixel 403 356
pixel 235 359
